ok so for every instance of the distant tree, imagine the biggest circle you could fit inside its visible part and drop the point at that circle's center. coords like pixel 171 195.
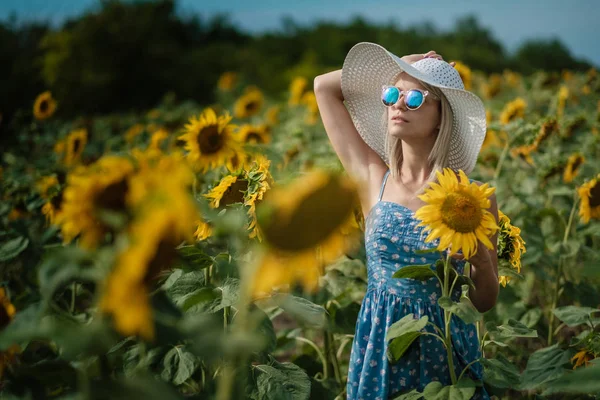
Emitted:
pixel 548 55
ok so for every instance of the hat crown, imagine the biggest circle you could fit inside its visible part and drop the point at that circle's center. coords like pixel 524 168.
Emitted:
pixel 440 72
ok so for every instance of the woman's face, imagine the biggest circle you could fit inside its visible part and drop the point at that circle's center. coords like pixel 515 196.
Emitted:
pixel 408 124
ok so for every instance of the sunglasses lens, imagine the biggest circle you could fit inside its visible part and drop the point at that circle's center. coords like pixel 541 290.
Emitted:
pixel 413 99
pixel 390 95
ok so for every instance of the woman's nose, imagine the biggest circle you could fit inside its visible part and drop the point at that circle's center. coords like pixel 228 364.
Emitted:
pixel 400 104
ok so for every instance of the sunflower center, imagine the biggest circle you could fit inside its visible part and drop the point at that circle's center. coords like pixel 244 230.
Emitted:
pixel 578 161
pixel 253 137
pixel 251 106
pixel 317 216
pixel 234 193
pixel 76 145
pixel 209 140
pixel 113 196
pixel 461 212
pixel 595 195
pixel 44 105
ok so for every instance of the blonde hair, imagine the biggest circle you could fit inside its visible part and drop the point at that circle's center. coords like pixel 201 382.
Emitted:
pixel 438 157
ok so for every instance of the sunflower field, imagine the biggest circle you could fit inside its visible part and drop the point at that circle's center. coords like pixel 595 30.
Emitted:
pixel 217 251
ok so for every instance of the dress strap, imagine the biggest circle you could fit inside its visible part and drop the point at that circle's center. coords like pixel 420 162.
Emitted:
pixel 383 184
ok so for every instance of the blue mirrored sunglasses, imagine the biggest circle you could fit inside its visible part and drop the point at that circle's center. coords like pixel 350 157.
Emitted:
pixel 413 98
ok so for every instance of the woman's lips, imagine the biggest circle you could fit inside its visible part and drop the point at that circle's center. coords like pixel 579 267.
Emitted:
pixel 399 120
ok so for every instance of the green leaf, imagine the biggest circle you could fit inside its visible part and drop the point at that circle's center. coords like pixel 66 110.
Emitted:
pixel 510 272
pixel 195 257
pixel 582 380
pixel 419 272
pixel 512 329
pixel 179 365
pixel 412 395
pixel 544 366
pixel 304 311
pixel 464 309
pixel 280 381
pixel 12 248
pixel 574 316
pixel 463 390
pixel 500 372
pixel 560 191
pixel 199 297
pixel 401 334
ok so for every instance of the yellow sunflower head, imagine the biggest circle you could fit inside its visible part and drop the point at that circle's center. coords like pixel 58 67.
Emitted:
pixel 133 132
pixel 572 168
pixel 230 190
pixel 465 74
pixel 583 357
pixel 254 134
pixel 227 81
pixel 589 193
pixel 512 78
pixel 456 213
pixel 512 110
pixel 301 226
pixel 249 104
pixel 310 101
pixel 298 87
pixel 210 141
pixel 44 106
pixel 493 86
pixel 510 245
pixel 90 191
pixel 524 152
pixel 203 230
pixel 563 95
pixel 7 310
pixel 272 115
pixel 75 144
pixel 548 127
pixel 46 185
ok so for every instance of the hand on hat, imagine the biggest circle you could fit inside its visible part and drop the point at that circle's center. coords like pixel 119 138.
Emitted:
pixel 412 58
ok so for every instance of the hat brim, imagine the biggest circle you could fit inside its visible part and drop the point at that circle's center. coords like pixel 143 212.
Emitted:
pixel 368 66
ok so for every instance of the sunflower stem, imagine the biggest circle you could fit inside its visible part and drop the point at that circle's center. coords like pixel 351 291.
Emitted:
pixel 447 319
pixel 329 350
pixel 561 258
pixel 501 160
pixel 319 354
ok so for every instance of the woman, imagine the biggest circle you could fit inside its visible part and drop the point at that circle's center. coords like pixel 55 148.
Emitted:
pixel 403 120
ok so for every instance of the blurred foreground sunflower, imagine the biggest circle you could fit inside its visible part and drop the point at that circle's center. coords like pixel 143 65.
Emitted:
pixel 249 104
pixel 512 110
pixel 164 215
pixel 510 245
pixel 589 193
pixel 44 106
pixel 301 225
pixel 572 168
pixel 209 140
pixel 456 213
pixel 102 186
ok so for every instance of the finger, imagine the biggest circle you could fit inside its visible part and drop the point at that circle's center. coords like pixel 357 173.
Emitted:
pixel 453 63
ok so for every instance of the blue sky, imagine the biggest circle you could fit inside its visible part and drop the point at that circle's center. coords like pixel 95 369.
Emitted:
pixel 510 21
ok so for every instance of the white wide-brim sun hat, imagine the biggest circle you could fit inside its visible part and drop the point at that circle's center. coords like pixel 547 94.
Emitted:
pixel 369 66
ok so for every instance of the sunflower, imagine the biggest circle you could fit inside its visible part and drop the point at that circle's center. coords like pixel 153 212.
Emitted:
pixel 493 86
pixel 254 134
pixel 456 213
pixel 7 309
pixel 563 95
pixel 46 185
pixel 272 115
pixel 297 89
pixel 249 104
pixel 229 190
pixel 164 215
pixel 133 132
pixel 524 152
pixel 209 140
pixel 572 168
pixel 75 143
pixel 227 81
pixel 512 110
pixel 465 74
pixel 301 227
pixel 44 106
pixel 103 186
pixel 310 101
pixel 583 357
pixel 491 140
pixel 585 90
pixel 589 194
pixel 512 78
pixel 203 230
pixel 548 128
pixel 259 181
pixel 510 245
pixel 591 75
pixel 157 138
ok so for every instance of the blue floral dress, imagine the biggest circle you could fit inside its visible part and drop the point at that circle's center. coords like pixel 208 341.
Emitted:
pixel 391 239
